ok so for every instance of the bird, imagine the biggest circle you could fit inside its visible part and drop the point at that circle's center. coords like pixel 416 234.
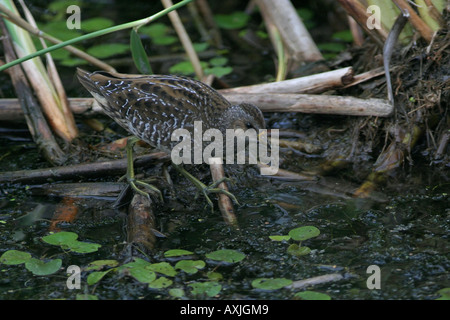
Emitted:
pixel 152 107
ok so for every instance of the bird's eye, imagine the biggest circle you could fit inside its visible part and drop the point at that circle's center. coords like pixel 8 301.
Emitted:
pixel 249 125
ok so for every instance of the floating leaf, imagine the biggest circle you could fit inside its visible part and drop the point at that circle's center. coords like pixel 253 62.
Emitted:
pixel 199 47
pixel 84 247
pixel 85 296
pixel 99 264
pixel 219 71
pixel 190 266
pixel 210 288
pixel 270 283
pixel 142 275
pixel 108 49
pixel 235 20
pixel 312 295
pixel 298 251
pixel 445 294
pixel 95 24
pixel 62 238
pixel 214 276
pixel 41 268
pixel 304 233
pixel 176 292
pixel 218 61
pixel 96 276
pixel 13 257
pixel 154 30
pixel 160 283
pixel 163 268
pixel 138 53
pixel 165 40
pixel 137 263
pixel 177 253
pixel 226 255
pixel 185 67
pixel 279 238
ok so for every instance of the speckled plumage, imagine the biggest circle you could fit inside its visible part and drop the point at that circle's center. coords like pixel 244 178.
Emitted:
pixel 152 107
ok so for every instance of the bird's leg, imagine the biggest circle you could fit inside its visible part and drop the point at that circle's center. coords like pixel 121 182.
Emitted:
pixel 206 189
pixel 130 172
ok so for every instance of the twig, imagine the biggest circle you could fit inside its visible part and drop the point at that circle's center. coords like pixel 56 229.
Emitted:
pixel 300 284
pixel 184 38
pixel 87 170
pixel 225 203
pixel 140 223
pixel 319 104
pixel 388 48
pixel 316 83
pixel 295 35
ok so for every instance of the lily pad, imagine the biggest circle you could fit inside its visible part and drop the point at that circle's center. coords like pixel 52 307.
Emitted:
pixel 210 288
pixel 304 233
pixel 14 257
pixel 279 238
pixel 176 292
pixel 96 276
pixel 163 268
pixel 160 283
pixel 143 275
pixel 312 295
pixel 235 20
pixel 107 50
pixel 99 264
pixel 270 283
pixel 42 268
pixel 190 266
pixel 62 238
pixel 298 251
pixel 177 253
pixel 226 255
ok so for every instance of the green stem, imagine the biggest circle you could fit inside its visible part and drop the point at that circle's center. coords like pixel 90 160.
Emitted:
pixel 97 34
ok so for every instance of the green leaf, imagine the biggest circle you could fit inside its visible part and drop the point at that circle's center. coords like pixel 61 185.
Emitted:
pixel 226 255
pixel 154 30
pixel 99 264
pixel 304 233
pixel 270 283
pixel 14 257
pixel 312 295
pixel 96 276
pixel 298 251
pixel 177 253
pixel 85 296
pixel 142 275
pixel 108 50
pixel 176 292
pixel 190 266
pixel 279 238
pixel 94 24
pixel 163 268
pixel 165 41
pixel 219 71
pixel 445 294
pixel 215 276
pixel 218 61
pixel 62 238
pixel 139 55
pixel 235 20
pixel 210 288
pixel 137 263
pixel 84 247
pixel 185 67
pixel 345 35
pixel 41 268
pixel 199 47
pixel 160 283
